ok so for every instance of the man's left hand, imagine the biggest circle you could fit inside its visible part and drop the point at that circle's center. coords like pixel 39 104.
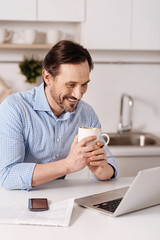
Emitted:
pixel 98 163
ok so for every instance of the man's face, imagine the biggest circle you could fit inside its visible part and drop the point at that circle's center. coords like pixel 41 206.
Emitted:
pixel 65 90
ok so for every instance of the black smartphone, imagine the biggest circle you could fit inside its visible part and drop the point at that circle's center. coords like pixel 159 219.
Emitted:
pixel 38 204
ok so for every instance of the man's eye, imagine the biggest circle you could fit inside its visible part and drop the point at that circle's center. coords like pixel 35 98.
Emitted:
pixel 70 85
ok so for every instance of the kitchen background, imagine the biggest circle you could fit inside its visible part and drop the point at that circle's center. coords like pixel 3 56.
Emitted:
pixel 123 37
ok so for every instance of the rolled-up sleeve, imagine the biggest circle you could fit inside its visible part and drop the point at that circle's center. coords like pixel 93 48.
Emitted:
pixel 14 172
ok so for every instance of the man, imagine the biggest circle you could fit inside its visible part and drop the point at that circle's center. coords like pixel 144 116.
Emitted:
pixel 38 128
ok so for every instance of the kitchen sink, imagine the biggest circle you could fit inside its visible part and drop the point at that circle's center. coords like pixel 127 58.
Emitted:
pixel 133 139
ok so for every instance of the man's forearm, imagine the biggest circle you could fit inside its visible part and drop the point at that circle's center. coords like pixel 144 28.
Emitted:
pixel 106 173
pixel 48 171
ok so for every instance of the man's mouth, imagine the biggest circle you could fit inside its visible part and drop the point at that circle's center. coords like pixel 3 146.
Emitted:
pixel 72 100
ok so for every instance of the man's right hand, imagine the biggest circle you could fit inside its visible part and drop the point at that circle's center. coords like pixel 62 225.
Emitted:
pixel 79 154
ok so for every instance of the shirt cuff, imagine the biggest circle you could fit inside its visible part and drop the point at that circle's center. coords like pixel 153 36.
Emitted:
pixel 114 171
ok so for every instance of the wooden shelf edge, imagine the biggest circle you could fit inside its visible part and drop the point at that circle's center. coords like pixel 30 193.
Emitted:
pixel 25 46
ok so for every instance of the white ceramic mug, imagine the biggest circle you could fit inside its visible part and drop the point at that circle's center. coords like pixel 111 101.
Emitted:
pixel 84 132
pixel 5 35
pixel 29 36
pixel 52 36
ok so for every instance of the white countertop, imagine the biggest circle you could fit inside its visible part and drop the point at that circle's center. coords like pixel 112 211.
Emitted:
pixel 85 223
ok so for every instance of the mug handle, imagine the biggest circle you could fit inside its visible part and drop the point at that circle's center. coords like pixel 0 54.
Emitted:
pixel 9 35
pixel 104 135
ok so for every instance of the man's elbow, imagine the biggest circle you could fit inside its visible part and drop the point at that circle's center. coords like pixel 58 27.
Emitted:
pixel 9 184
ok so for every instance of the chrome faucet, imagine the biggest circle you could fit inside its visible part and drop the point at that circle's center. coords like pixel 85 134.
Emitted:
pixel 121 126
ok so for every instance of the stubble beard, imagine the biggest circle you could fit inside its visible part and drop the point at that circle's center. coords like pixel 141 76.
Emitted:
pixel 61 103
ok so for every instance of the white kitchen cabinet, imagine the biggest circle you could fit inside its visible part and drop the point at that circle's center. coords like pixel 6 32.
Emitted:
pixel 16 10
pixel 146 25
pixel 129 166
pixel 61 10
pixel 122 24
pixel 43 10
pixel 107 25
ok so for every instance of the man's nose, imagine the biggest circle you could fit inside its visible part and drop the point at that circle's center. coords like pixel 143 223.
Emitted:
pixel 77 93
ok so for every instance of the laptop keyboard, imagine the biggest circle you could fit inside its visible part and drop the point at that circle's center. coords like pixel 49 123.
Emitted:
pixel 109 205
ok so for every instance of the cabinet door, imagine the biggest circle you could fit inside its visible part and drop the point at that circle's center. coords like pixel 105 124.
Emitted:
pixel 61 10
pixel 146 25
pixel 17 10
pixel 130 166
pixel 108 24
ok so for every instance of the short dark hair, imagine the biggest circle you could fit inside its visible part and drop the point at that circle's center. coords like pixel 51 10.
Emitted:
pixel 63 52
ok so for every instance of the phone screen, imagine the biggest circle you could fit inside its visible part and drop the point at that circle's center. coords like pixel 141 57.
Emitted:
pixel 38 204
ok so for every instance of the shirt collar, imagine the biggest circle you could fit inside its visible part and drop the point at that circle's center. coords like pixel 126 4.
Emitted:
pixel 41 104
pixel 65 116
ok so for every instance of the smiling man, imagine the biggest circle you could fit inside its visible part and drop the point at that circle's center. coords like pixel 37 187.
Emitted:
pixel 38 128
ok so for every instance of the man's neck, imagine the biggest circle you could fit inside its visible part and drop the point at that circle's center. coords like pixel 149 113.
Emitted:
pixel 57 110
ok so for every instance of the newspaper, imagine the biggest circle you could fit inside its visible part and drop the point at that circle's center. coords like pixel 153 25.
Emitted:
pixel 59 214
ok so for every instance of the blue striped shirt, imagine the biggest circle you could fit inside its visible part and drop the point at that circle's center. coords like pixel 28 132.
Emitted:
pixel 30 133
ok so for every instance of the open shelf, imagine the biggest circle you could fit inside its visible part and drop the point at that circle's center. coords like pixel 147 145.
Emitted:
pixel 24 46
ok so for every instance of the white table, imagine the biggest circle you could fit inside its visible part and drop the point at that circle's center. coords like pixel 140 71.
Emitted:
pixel 85 223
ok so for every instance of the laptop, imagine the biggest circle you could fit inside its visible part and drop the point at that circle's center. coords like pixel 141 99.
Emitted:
pixel 144 192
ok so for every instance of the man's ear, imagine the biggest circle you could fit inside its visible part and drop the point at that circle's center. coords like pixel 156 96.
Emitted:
pixel 46 76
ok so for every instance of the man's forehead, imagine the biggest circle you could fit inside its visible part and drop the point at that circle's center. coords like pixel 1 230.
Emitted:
pixel 74 81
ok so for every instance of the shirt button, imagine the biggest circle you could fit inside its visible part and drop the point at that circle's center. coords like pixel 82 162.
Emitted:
pixel 54 157
pixel 58 139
